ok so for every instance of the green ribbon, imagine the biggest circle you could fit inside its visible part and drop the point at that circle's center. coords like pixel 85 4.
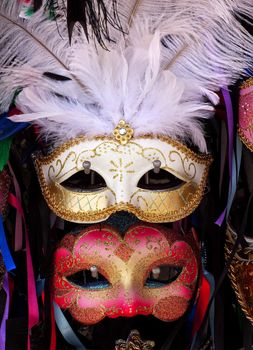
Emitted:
pixel 5 146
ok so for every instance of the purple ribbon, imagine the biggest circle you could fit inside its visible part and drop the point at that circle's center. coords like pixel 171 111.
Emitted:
pixel 6 313
pixel 230 125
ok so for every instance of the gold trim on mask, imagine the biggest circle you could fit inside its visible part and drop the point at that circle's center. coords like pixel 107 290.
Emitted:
pixel 200 158
pixel 247 83
pixel 240 273
pixel 151 206
pixel 156 207
pixel 244 139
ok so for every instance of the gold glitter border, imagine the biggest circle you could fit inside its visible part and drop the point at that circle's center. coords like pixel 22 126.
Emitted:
pixel 232 272
pixel 200 158
pixel 247 83
pixel 102 214
pixel 244 139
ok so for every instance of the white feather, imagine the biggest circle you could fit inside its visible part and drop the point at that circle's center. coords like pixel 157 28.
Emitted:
pixel 28 49
pixel 158 87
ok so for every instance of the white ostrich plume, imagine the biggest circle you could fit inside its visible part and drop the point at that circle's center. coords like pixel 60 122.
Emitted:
pixel 161 77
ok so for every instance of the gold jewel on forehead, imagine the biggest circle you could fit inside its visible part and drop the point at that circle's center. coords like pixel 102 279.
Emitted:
pixel 123 132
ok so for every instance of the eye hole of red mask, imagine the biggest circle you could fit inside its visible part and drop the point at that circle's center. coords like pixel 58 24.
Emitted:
pixel 163 275
pixel 160 276
pixel 85 280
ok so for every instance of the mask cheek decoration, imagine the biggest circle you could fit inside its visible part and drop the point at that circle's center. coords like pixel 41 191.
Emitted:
pixel 85 181
pixel 152 271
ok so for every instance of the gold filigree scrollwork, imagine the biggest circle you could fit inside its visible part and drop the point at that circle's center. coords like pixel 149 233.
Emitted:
pixel 152 154
pixel 186 165
pixel 54 174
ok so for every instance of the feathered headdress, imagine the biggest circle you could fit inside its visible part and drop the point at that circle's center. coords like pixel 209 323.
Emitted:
pixel 160 77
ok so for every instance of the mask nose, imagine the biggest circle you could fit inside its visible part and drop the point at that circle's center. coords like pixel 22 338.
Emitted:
pixel 133 304
pixel 122 193
pixel 134 308
pixel 129 310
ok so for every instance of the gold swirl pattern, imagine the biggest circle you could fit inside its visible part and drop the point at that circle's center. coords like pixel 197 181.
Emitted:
pixel 122 166
pixel 53 173
pixel 186 164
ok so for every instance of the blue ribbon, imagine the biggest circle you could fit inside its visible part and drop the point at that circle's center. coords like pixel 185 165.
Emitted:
pixel 234 158
pixel 40 284
pixel 9 128
pixel 236 164
pixel 65 329
pixel 8 261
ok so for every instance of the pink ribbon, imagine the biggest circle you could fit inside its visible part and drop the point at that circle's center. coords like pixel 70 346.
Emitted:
pixel 33 310
pixel 6 312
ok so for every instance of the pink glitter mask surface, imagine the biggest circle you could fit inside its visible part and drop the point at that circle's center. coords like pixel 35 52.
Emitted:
pixel 153 270
pixel 245 128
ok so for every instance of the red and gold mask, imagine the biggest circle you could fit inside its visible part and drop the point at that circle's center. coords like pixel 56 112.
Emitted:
pixel 151 271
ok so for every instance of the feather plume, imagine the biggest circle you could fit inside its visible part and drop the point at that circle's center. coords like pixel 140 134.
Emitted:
pixel 28 49
pixel 88 12
pixel 161 78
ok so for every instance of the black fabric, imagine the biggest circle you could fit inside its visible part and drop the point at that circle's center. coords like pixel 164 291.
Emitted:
pixel 37 4
pixel 247 334
pixel 16 334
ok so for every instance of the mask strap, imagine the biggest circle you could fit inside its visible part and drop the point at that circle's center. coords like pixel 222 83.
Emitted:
pixel 223 154
pixel 234 157
pixel 65 329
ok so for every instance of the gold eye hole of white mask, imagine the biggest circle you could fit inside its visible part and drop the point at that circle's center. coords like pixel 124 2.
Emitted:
pixel 121 167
